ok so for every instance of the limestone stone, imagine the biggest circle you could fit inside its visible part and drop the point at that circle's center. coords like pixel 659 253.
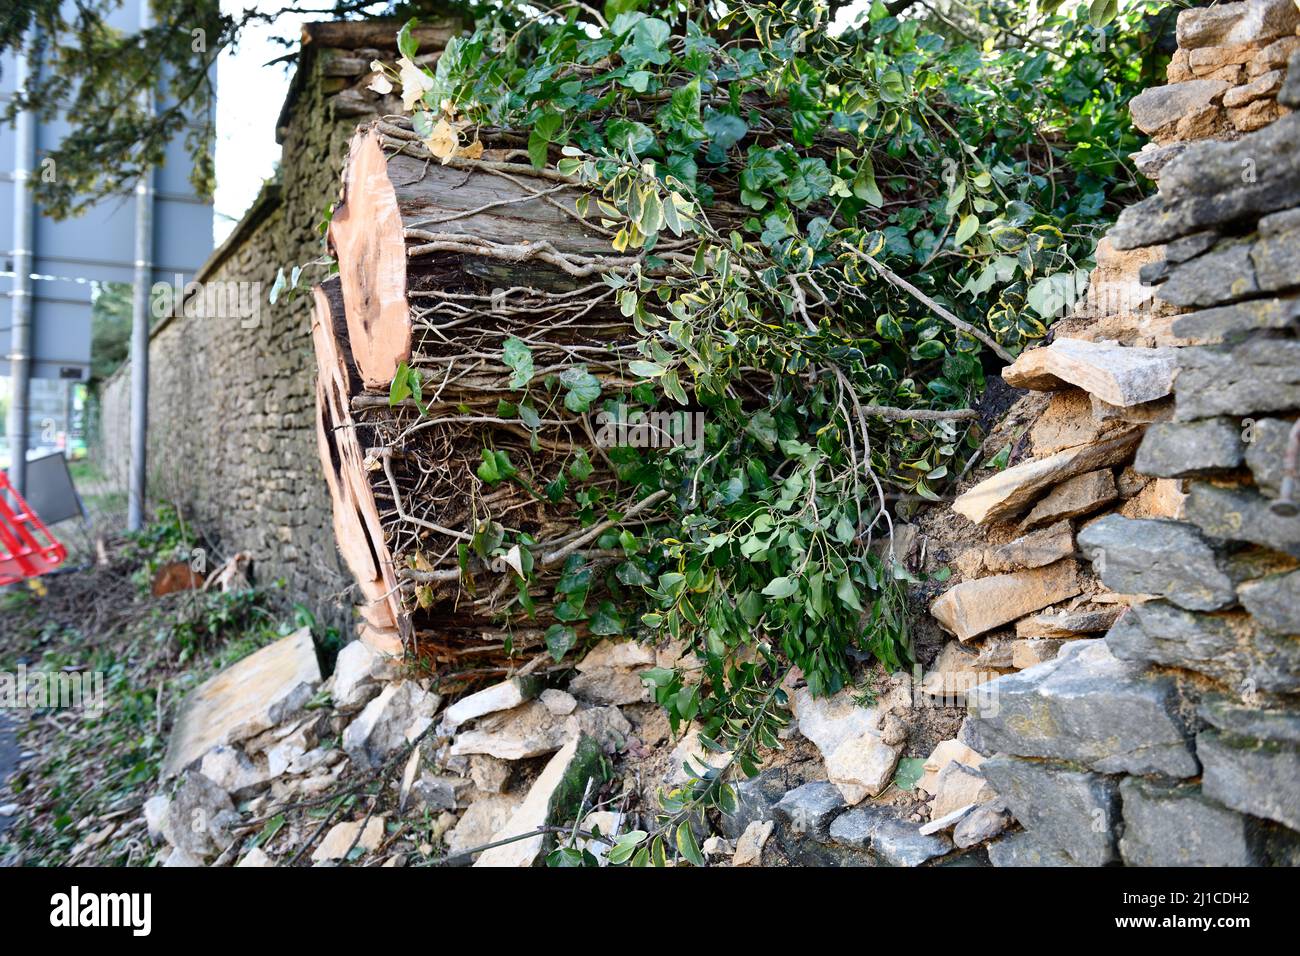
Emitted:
pixel 1274 56
pixel 484 818
pixel 974 607
pixel 1028 653
pixel 1159 410
pixel 809 810
pixel 357 672
pixel 610 685
pixel 1203 187
pixel 1224 274
pixel 958 786
pixel 1254 116
pixel 848 736
pixel 1266 84
pixel 1068 624
pixel 504 696
pixel 1089 707
pixel 395 718
pixel 1249 21
pixel 248 697
pixel 1072 498
pixel 529 730
pixel 1026 849
pixel 367 835
pixel 555 792
pixel 621 654
pixel 199 817
pixel 1034 550
pixel 982 823
pixel 1009 492
pixel 1274 601
pixel 1158 107
pixel 1226 647
pixel 1207 60
pixel 1065 422
pixel 1178 826
pixel 1241 514
pixel 1266 451
pixel 896 842
pixel 256 858
pixel 558 702
pixel 437 792
pixel 606 724
pixel 1289 95
pixel 489 774
pixel 1259 777
pixel 1162 498
pixel 1153 556
pixel 1235 718
pixel 755 798
pixel 1186 449
pixel 234 772
pixel 1066 808
pixel 1230 323
pixel 1115 374
pixel 945 752
pixel 954 672
pixel 749 848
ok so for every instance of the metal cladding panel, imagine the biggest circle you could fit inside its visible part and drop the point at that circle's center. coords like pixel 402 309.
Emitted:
pixel 98 245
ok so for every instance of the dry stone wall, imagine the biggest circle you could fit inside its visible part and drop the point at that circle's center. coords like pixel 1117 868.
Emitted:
pixel 231 398
pixel 1139 609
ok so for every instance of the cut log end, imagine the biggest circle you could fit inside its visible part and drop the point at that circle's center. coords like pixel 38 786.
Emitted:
pixel 355 516
pixel 367 236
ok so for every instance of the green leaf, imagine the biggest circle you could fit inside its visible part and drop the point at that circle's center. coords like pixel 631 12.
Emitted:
pixel 781 587
pixel 560 640
pixel 969 225
pixel 909 772
pixel 583 388
pixel 687 846
pixel 646 369
pixel 519 358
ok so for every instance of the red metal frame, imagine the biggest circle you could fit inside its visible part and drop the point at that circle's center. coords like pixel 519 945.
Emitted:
pixel 27 549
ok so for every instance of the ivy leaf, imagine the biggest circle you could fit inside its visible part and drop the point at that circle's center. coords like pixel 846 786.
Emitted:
pixel 605 620
pixel 519 358
pixel 909 772
pixel 583 388
pixel 560 640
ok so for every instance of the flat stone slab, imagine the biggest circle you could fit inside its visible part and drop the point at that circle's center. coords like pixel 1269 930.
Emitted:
pixel 1033 550
pixel 1011 491
pixel 1068 809
pixel 1088 707
pixel 1179 826
pixel 1115 374
pixel 1156 556
pixel 243 699
pixel 971 608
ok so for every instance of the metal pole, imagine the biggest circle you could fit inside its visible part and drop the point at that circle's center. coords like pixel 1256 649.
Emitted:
pixel 140 326
pixel 20 351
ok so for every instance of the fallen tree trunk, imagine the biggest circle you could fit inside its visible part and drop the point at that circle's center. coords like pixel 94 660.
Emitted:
pixel 481 278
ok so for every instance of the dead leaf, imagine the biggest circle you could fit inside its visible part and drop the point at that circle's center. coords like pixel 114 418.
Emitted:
pixel 443 141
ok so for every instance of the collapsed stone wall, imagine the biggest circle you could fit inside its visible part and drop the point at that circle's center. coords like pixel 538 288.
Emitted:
pixel 231 398
pixel 1129 642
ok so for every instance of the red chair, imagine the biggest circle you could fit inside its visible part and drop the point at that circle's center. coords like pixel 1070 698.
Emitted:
pixel 27 549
